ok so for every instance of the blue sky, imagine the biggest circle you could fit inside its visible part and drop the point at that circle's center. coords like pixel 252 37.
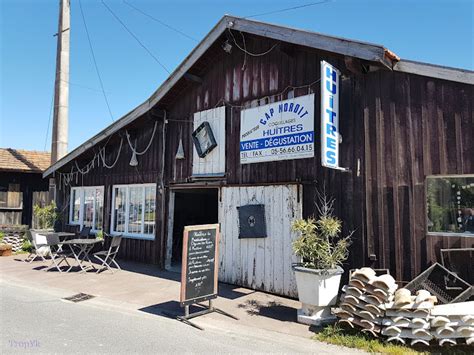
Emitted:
pixel 434 31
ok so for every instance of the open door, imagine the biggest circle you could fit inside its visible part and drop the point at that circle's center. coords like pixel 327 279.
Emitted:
pixel 188 207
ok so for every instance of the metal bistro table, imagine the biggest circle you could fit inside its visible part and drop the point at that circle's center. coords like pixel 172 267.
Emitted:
pixel 80 249
pixel 63 235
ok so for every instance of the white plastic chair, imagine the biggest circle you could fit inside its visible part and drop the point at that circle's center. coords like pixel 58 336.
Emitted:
pixel 31 235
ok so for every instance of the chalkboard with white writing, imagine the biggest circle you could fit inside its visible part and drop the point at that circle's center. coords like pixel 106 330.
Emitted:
pixel 200 263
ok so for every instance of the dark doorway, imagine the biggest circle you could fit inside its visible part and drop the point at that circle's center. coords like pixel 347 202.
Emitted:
pixel 191 207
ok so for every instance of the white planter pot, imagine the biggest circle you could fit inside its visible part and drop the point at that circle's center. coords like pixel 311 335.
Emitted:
pixel 317 291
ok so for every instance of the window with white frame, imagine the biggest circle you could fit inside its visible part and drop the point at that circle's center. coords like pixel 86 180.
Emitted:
pixel 450 204
pixel 133 210
pixel 87 207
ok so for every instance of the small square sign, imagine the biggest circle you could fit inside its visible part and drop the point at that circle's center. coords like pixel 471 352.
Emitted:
pixel 252 221
pixel 203 139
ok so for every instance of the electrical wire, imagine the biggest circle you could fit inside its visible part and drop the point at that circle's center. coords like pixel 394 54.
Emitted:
pixel 245 50
pixel 95 62
pixel 66 178
pixel 160 22
pixel 49 121
pixel 82 86
pixel 135 37
pixel 288 9
pixel 228 104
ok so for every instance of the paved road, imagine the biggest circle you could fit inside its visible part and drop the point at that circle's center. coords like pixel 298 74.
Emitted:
pixel 34 321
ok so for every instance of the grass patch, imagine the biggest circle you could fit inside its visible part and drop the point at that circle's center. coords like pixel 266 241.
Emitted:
pixel 352 338
pixel 19 252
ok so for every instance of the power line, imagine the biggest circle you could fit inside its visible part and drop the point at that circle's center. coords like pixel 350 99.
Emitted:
pixel 49 121
pixel 135 37
pixel 245 50
pixel 81 86
pixel 160 22
pixel 95 62
pixel 288 9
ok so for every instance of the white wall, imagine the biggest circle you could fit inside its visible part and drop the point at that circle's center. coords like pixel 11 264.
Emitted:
pixel 260 263
pixel 214 162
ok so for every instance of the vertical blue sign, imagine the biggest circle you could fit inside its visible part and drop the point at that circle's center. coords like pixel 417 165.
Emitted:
pixel 329 116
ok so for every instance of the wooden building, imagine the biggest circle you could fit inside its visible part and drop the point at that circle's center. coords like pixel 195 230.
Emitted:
pixel 21 184
pixel 401 123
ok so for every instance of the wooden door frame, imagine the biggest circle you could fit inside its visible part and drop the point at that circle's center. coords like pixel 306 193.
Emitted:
pixel 170 220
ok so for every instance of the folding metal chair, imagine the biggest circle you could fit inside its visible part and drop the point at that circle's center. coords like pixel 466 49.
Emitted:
pixel 31 236
pixel 84 233
pixel 107 257
pixel 57 254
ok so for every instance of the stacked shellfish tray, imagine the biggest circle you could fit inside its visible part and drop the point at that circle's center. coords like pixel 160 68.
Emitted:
pixel 375 304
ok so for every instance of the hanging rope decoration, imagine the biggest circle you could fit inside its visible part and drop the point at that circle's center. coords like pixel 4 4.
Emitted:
pixel 102 156
pixel 99 159
pixel 133 161
pixel 67 178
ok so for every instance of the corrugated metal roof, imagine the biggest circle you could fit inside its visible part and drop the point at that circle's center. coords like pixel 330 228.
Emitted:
pixel 28 161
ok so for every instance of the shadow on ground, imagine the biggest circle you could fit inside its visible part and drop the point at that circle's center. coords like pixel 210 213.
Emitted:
pixel 169 309
pixel 271 309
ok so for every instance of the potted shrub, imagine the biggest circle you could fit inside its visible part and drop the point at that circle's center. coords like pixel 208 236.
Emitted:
pixel 321 251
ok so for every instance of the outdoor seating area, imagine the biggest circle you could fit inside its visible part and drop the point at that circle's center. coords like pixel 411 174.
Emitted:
pixel 66 251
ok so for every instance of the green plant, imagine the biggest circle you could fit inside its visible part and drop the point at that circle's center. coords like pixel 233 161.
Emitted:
pixel 2 235
pixel 26 245
pixel 100 235
pixel 46 215
pixel 319 244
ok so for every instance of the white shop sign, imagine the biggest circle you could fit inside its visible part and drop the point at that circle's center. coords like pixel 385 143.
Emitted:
pixel 281 130
pixel 329 116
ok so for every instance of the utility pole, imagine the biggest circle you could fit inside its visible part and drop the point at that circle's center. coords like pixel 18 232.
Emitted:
pixel 61 86
pixel 61 91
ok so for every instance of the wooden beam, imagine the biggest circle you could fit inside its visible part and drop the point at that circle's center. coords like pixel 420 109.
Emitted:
pixel 193 78
pixel 155 113
pixel 354 65
pixel 362 50
pixel 435 71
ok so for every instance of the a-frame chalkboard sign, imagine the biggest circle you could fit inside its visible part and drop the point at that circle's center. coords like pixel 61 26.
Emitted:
pixel 199 269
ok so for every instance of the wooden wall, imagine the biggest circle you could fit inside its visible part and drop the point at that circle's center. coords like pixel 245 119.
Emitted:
pixel 286 71
pixel 260 263
pixel 29 183
pixel 147 171
pixel 414 127
pixel 397 128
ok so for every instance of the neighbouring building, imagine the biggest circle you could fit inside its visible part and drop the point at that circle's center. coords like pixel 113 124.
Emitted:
pixel 22 184
pixel 239 133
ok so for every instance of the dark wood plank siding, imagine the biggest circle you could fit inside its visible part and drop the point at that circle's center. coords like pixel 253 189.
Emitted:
pixel 397 128
pixel 416 127
pixel 29 183
pixel 147 171
pixel 260 79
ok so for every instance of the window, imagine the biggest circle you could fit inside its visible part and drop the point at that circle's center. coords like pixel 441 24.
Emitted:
pixel 450 205
pixel 87 207
pixel 133 209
